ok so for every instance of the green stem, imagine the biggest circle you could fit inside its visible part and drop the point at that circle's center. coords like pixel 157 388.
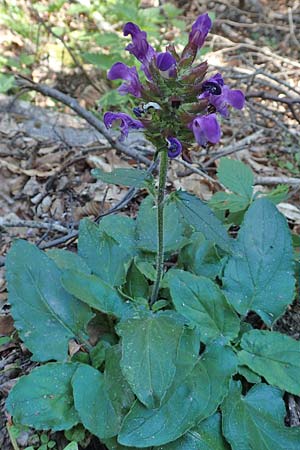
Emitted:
pixel 160 224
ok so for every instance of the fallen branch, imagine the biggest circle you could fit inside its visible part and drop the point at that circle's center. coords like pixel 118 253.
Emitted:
pixel 82 112
pixel 51 226
pixel 272 181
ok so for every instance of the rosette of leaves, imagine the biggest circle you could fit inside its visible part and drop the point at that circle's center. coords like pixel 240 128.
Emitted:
pixel 187 373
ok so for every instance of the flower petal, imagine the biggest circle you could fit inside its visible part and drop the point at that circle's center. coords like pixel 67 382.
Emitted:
pixel 200 29
pixel 236 98
pixel 206 129
pixel 125 122
pixel 164 61
pixel 174 147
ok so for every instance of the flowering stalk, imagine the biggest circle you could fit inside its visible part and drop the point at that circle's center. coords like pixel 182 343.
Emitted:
pixel 177 105
pixel 163 168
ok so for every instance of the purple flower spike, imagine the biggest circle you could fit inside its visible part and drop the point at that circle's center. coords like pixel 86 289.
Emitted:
pixel 174 147
pixel 132 83
pixel 164 61
pixel 139 47
pixel 125 122
pixel 206 129
pixel 200 29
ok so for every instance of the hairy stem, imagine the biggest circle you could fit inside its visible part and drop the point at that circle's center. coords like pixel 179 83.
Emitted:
pixel 160 224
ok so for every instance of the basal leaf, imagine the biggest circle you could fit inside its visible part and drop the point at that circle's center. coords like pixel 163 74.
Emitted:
pixel 102 253
pixel 207 435
pixel 45 314
pixel 136 283
pixel 202 302
pixel 96 293
pixel 274 356
pixel 149 347
pixel 259 276
pixel 200 257
pixel 201 218
pixel 93 404
pixel 256 421
pixel 66 260
pixel 193 401
pixel 236 176
pixel 116 385
pixel 247 373
pixel 125 177
pixel 147 227
pixel 122 230
pixel 43 399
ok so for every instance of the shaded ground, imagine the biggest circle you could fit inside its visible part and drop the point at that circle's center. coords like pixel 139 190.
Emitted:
pixel 46 156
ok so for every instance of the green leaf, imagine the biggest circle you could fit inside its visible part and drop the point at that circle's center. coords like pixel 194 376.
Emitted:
pixel 45 315
pixel 194 400
pixel 149 346
pixel 93 404
pixel 147 227
pixel 96 293
pixel 259 276
pixel 6 82
pixel 207 435
pixel 125 177
pixel 68 260
pixel 116 385
pixel 202 302
pixel 233 202
pixel 201 218
pixel 122 230
pixel 100 60
pixel 279 194
pixel 97 354
pixel 102 253
pixel 136 283
pixel 250 376
pixel 256 421
pixel 236 176
pixel 71 446
pixel 43 399
pixel 200 257
pixel 274 356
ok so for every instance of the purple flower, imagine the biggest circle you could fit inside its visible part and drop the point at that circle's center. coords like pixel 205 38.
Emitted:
pixel 165 61
pixel 174 147
pixel 139 47
pixel 125 123
pixel 220 95
pixel 200 29
pixel 206 129
pixel 132 83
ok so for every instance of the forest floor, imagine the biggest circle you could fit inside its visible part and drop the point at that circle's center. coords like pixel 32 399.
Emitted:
pixel 47 152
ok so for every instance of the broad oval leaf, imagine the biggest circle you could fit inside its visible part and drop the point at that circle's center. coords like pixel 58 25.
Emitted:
pixel 200 257
pixel 256 421
pixel 259 276
pixel 201 218
pixel 207 435
pixel 125 177
pixel 96 293
pixel 236 176
pixel 102 253
pixel 66 260
pixel 93 404
pixel 194 400
pixel 116 385
pixel 149 349
pixel 146 224
pixel 45 314
pixel 43 399
pixel 274 356
pixel 202 302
